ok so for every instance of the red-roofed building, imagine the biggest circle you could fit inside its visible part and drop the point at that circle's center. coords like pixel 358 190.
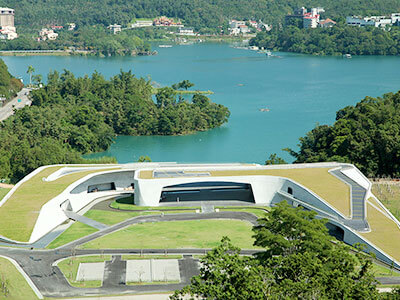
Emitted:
pixel 327 23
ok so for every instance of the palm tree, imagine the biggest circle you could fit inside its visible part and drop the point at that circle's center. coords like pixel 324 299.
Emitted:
pixel 30 71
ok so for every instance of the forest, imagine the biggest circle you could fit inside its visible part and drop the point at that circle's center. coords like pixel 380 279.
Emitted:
pixel 338 40
pixel 200 14
pixel 367 135
pixel 94 39
pixel 71 116
pixel 9 86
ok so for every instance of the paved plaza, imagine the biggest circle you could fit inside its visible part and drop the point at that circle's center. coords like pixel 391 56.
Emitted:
pixel 90 271
pixel 152 270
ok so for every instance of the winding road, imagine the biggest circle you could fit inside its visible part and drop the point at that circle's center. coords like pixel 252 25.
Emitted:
pixel 17 102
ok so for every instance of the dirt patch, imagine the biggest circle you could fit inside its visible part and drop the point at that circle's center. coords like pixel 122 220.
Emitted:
pixel 6 186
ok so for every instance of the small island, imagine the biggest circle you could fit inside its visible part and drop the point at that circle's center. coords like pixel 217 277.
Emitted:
pixel 72 116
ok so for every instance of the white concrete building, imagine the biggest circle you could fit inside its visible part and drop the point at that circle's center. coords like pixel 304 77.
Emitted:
pixel 336 191
pixel 186 31
pixel 6 17
pixel 7 27
pixel 115 28
pixel 142 23
pixel 47 34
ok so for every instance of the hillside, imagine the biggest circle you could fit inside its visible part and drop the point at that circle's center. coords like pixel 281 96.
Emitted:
pixel 366 135
pixel 196 13
pixel 9 86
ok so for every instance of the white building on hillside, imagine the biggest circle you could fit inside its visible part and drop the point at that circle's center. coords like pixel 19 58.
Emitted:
pixel 142 23
pixel 115 28
pixel 47 34
pixel 7 28
pixel 186 31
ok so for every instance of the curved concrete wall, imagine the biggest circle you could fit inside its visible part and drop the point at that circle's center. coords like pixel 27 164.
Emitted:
pixel 148 191
pixel 121 179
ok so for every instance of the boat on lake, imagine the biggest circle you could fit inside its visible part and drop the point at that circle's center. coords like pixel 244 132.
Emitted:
pixel 265 109
pixel 346 55
pixel 165 46
pixel 268 53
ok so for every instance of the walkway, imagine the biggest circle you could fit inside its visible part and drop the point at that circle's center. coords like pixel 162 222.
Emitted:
pixel 92 223
pixel 358 193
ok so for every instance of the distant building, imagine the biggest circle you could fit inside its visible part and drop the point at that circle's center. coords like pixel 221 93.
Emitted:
pixel 244 29
pixel 57 27
pixel 142 23
pixel 239 27
pixel 47 34
pixel 253 24
pixel 115 28
pixel 71 26
pixel 377 21
pixel 164 21
pixel 6 17
pixel 186 31
pixel 8 30
pixel 305 19
pixel 327 23
pixel 8 33
pixel 236 23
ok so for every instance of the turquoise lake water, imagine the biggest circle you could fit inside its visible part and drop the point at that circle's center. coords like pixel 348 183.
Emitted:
pixel 299 90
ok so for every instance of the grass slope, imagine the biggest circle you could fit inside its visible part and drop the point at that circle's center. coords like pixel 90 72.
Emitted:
pixel 74 232
pixel 384 232
pixel 3 192
pixel 69 267
pixel 178 234
pixel 19 214
pixel 389 194
pixel 18 288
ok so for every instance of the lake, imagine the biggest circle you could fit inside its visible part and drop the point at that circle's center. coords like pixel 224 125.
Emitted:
pixel 300 91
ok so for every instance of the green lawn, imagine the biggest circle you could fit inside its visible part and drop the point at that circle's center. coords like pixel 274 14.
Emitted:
pixel 19 214
pixel 3 192
pixel 69 267
pixel 18 288
pixel 177 234
pixel 381 271
pixel 74 232
pixel 389 195
pixel 79 230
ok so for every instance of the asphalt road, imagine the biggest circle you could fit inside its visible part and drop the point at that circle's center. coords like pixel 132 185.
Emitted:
pixel 8 109
pixel 38 264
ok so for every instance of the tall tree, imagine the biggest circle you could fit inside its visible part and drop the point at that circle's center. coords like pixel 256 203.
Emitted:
pixel 30 71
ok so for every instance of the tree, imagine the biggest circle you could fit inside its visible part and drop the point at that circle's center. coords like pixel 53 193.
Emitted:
pixel 143 158
pixel 305 263
pixel 185 84
pixel 226 275
pixel 299 261
pixel 37 79
pixel 274 159
pixel 165 96
pixel 30 71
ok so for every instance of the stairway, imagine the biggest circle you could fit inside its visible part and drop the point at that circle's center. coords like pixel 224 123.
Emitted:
pixel 358 193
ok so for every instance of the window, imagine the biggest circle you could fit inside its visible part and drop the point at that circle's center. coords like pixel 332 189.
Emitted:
pixel 290 190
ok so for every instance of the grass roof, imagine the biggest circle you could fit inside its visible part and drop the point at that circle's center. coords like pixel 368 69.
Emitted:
pixel 20 212
pixel 319 180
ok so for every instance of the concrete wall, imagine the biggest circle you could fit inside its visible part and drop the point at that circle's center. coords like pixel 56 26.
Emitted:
pixel 121 179
pixel 148 191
